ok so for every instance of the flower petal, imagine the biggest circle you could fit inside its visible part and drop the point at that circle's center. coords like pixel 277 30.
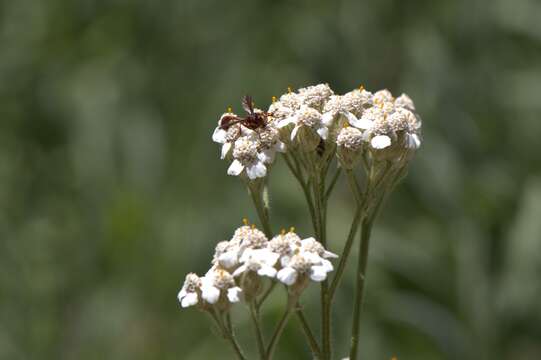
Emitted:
pixel 360 123
pixel 328 118
pixel 225 149
pixel 329 255
pixel 323 132
pixel 380 142
pixel 240 270
pixel 189 300
pixel 294 132
pixel 267 156
pixel 287 276
pixel 267 271
pixel 318 273
pixel 285 122
pixel 228 259
pixel 235 168
pixel 219 135
pixel 211 294
pixel 280 146
pixel 233 294
pixel 256 170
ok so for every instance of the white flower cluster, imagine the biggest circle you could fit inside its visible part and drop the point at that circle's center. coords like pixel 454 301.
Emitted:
pixel 249 254
pixel 251 150
pixel 351 122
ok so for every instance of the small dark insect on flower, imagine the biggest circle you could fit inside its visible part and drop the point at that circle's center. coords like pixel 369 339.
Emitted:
pixel 252 121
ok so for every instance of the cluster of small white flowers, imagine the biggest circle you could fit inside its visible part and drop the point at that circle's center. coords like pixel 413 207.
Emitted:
pixel 251 151
pixel 315 114
pixel 286 257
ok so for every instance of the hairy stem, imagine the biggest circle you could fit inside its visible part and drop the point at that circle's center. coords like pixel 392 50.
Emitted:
pixel 360 285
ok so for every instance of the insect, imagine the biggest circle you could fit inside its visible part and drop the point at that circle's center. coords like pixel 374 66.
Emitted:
pixel 254 120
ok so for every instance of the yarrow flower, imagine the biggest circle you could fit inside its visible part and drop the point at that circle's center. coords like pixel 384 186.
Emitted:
pixel 250 253
pixel 247 158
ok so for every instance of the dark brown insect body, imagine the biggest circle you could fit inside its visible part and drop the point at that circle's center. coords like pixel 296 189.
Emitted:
pixel 254 120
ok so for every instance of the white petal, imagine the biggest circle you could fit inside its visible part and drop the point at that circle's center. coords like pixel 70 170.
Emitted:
pixel 361 123
pixel 414 142
pixel 280 146
pixel 286 122
pixel 228 259
pixel 240 270
pixel 267 271
pixel 287 276
pixel 294 132
pixel 318 273
pixel 380 142
pixel 323 132
pixel 211 294
pixel 233 294
pixel 267 156
pixel 284 260
pixel 327 265
pixel 219 135
pixel 181 294
pixel 225 149
pixel 308 241
pixel 256 170
pixel 328 118
pixel 235 168
pixel 189 300
pixel 329 255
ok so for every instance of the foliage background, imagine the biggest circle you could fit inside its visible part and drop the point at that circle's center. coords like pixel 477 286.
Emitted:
pixel 111 190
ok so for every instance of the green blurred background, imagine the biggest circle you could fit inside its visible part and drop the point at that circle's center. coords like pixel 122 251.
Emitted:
pixel 111 189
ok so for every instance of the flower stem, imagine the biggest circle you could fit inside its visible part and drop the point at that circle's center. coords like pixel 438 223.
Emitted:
pixel 359 290
pixel 228 334
pixel 316 351
pixel 259 334
pixel 256 192
pixel 265 295
pixel 278 332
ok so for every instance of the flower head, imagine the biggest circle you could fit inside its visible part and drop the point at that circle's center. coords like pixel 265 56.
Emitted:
pixel 219 285
pixel 246 158
pixel 315 96
pixel 190 293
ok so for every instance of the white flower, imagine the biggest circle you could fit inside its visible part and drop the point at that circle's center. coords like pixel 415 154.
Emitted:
pixel 247 158
pixel 315 96
pixel 249 237
pixel 218 282
pixel 226 254
pixel 404 101
pixel 312 245
pixel 306 117
pixel 269 143
pixel 227 134
pixel 350 137
pixel 260 261
pixel 189 294
pixel 285 245
pixel 305 264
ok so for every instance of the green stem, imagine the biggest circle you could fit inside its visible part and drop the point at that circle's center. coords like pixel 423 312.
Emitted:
pixel 265 295
pixel 332 184
pixel 227 332
pixel 314 347
pixel 278 331
pixel 255 190
pixel 359 290
pixel 259 334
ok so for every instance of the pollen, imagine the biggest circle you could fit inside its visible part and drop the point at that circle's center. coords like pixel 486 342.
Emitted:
pixel 292 229
pixel 253 226
pixel 289 90
pixel 361 87
pixel 229 109
pixel 245 221
pixel 274 99
pixel 283 231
